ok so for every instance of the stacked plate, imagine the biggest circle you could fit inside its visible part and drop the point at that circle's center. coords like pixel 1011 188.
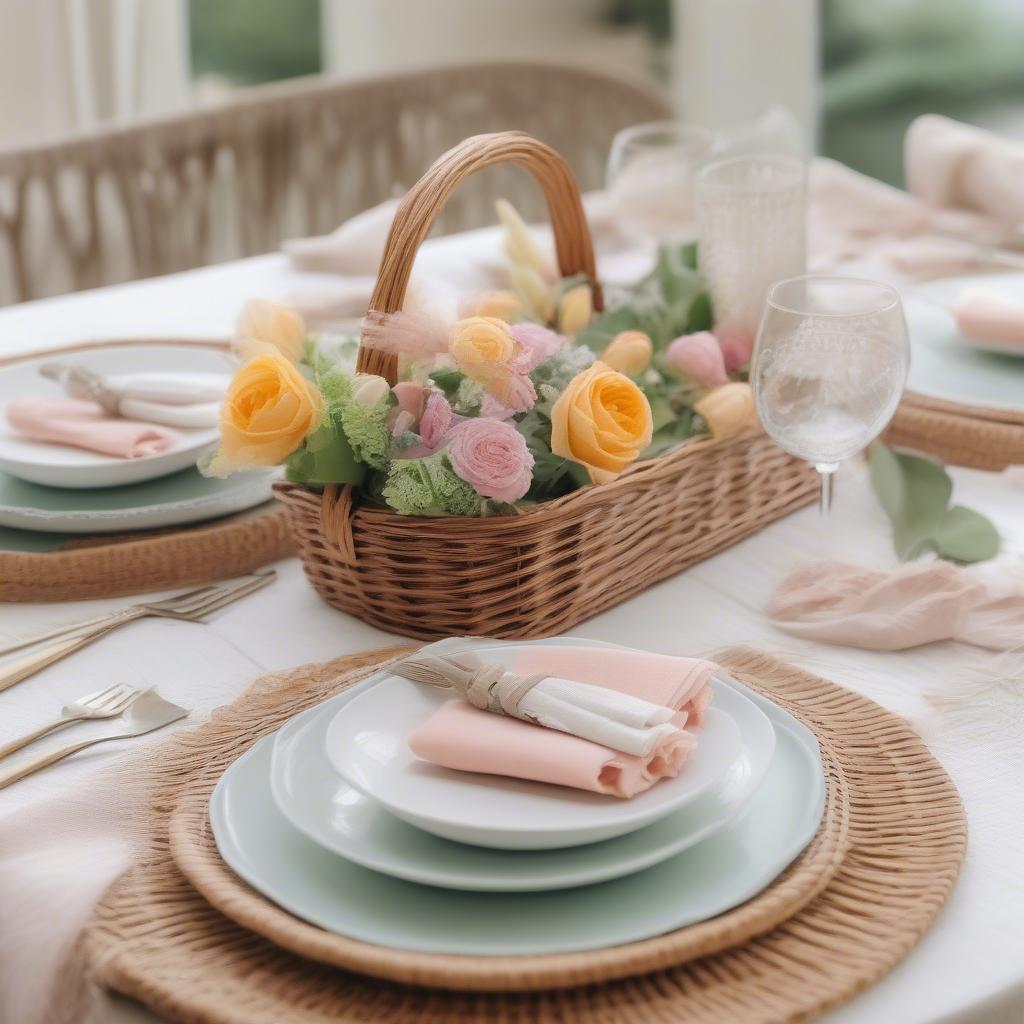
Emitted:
pixel 335 820
pixel 52 489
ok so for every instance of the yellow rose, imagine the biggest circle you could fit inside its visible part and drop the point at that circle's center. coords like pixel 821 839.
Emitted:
pixel 575 310
pixel 602 420
pixel 729 411
pixel 479 344
pixel 269 410
pixel 263 323
pixel 629 352
pixel 533 292
pixel 502 305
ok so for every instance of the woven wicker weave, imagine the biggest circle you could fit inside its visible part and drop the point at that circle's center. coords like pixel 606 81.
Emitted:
pixel 113 565
pixel 156 939
pixel 561 562
pixel 966 435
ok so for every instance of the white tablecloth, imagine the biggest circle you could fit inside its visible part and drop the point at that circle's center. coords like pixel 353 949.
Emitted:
pixel 966 702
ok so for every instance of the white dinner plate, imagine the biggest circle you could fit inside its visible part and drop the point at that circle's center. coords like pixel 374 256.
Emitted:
pixel 313 799
pixel 727 869
pixel 947 366
pixel 185 497
pixel 367 745
pixel 57 465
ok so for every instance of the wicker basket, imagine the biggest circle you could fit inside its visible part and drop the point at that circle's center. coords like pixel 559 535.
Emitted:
pixel 543 571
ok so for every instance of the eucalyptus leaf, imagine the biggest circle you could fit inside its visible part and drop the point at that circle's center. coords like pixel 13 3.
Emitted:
pixel 914 492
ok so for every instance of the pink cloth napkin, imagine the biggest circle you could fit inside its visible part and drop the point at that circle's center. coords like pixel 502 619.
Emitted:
pixel 464 738
pixel 992 319
pixel 880 610
pixel 951 164
pixel 83 424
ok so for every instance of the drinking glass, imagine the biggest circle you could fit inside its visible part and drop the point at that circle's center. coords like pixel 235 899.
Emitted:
pixel 751 227
pixel 830 364
pixel 650 178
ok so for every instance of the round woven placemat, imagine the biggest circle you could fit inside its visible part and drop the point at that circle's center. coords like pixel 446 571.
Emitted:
pixel 113 565
pixel 157 939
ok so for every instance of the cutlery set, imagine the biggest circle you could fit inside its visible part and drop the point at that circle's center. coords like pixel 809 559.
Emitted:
pixel 139 711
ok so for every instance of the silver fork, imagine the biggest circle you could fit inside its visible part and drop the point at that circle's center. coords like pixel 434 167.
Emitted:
pixel 190 608
pixel 168 608
pixel 108 703
pixel 148 712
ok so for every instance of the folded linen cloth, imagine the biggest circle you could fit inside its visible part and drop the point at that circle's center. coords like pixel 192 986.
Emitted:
pixel 881 610
pixel 84 424
pixel 466 738
pixel 951 164
pixel 992 319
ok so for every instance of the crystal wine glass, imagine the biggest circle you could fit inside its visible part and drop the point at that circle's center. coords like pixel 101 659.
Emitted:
pixel 650 178
pixel 830 365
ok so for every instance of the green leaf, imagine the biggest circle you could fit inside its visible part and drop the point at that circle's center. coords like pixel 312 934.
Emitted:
pixel 326 458
pixel 600 332
pixel 914 492
pixel 700 314
pixel 966 536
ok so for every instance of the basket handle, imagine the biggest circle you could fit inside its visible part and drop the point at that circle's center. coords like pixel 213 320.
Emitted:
pixel 423 202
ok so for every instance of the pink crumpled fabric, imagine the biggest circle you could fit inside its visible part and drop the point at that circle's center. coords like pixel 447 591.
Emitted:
pixel 83 424
pixel 892 610
pixel 465 738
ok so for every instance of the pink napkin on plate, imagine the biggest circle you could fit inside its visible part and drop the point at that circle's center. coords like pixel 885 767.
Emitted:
pixel 882 610
pixel 84 424
pixel 992 319
pixel 465 738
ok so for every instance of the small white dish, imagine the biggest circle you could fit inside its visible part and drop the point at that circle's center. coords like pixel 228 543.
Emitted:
pixel 713 876
pixel 56 465
pixel 367 745
pixel 313 799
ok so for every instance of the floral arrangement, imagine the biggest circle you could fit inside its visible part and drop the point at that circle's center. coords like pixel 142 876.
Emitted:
pixel 522 396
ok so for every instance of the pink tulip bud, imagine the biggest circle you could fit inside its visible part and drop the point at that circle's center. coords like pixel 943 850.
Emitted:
pixel 737 346
pixel 698 357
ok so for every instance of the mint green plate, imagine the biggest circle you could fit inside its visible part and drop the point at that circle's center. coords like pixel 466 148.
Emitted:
pixel 727 869
pixel 185 497
pixel 947 366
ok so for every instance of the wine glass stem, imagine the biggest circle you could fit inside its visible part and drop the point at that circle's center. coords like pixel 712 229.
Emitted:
pixel 826 474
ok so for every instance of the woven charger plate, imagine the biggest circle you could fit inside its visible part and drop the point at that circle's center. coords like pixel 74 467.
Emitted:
pixel 155 938
pixel 113 565
pixel 965 435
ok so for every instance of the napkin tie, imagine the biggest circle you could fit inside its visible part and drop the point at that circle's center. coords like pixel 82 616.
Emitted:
pixel 602 715
pixel 488 687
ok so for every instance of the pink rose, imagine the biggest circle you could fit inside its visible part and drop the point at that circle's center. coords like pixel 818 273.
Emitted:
pixel 436 419
pixel 737 347
pixel 535 344
pixel 494 410
pixel 410 397
pixel 492 457
pixel 698 357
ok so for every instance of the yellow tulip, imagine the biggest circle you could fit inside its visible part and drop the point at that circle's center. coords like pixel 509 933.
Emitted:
pixel 629 352
pixel 503 305
pixel 603 421
pixel 269 410
pixel 263 323
pixel 575 309
pixel 729 411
